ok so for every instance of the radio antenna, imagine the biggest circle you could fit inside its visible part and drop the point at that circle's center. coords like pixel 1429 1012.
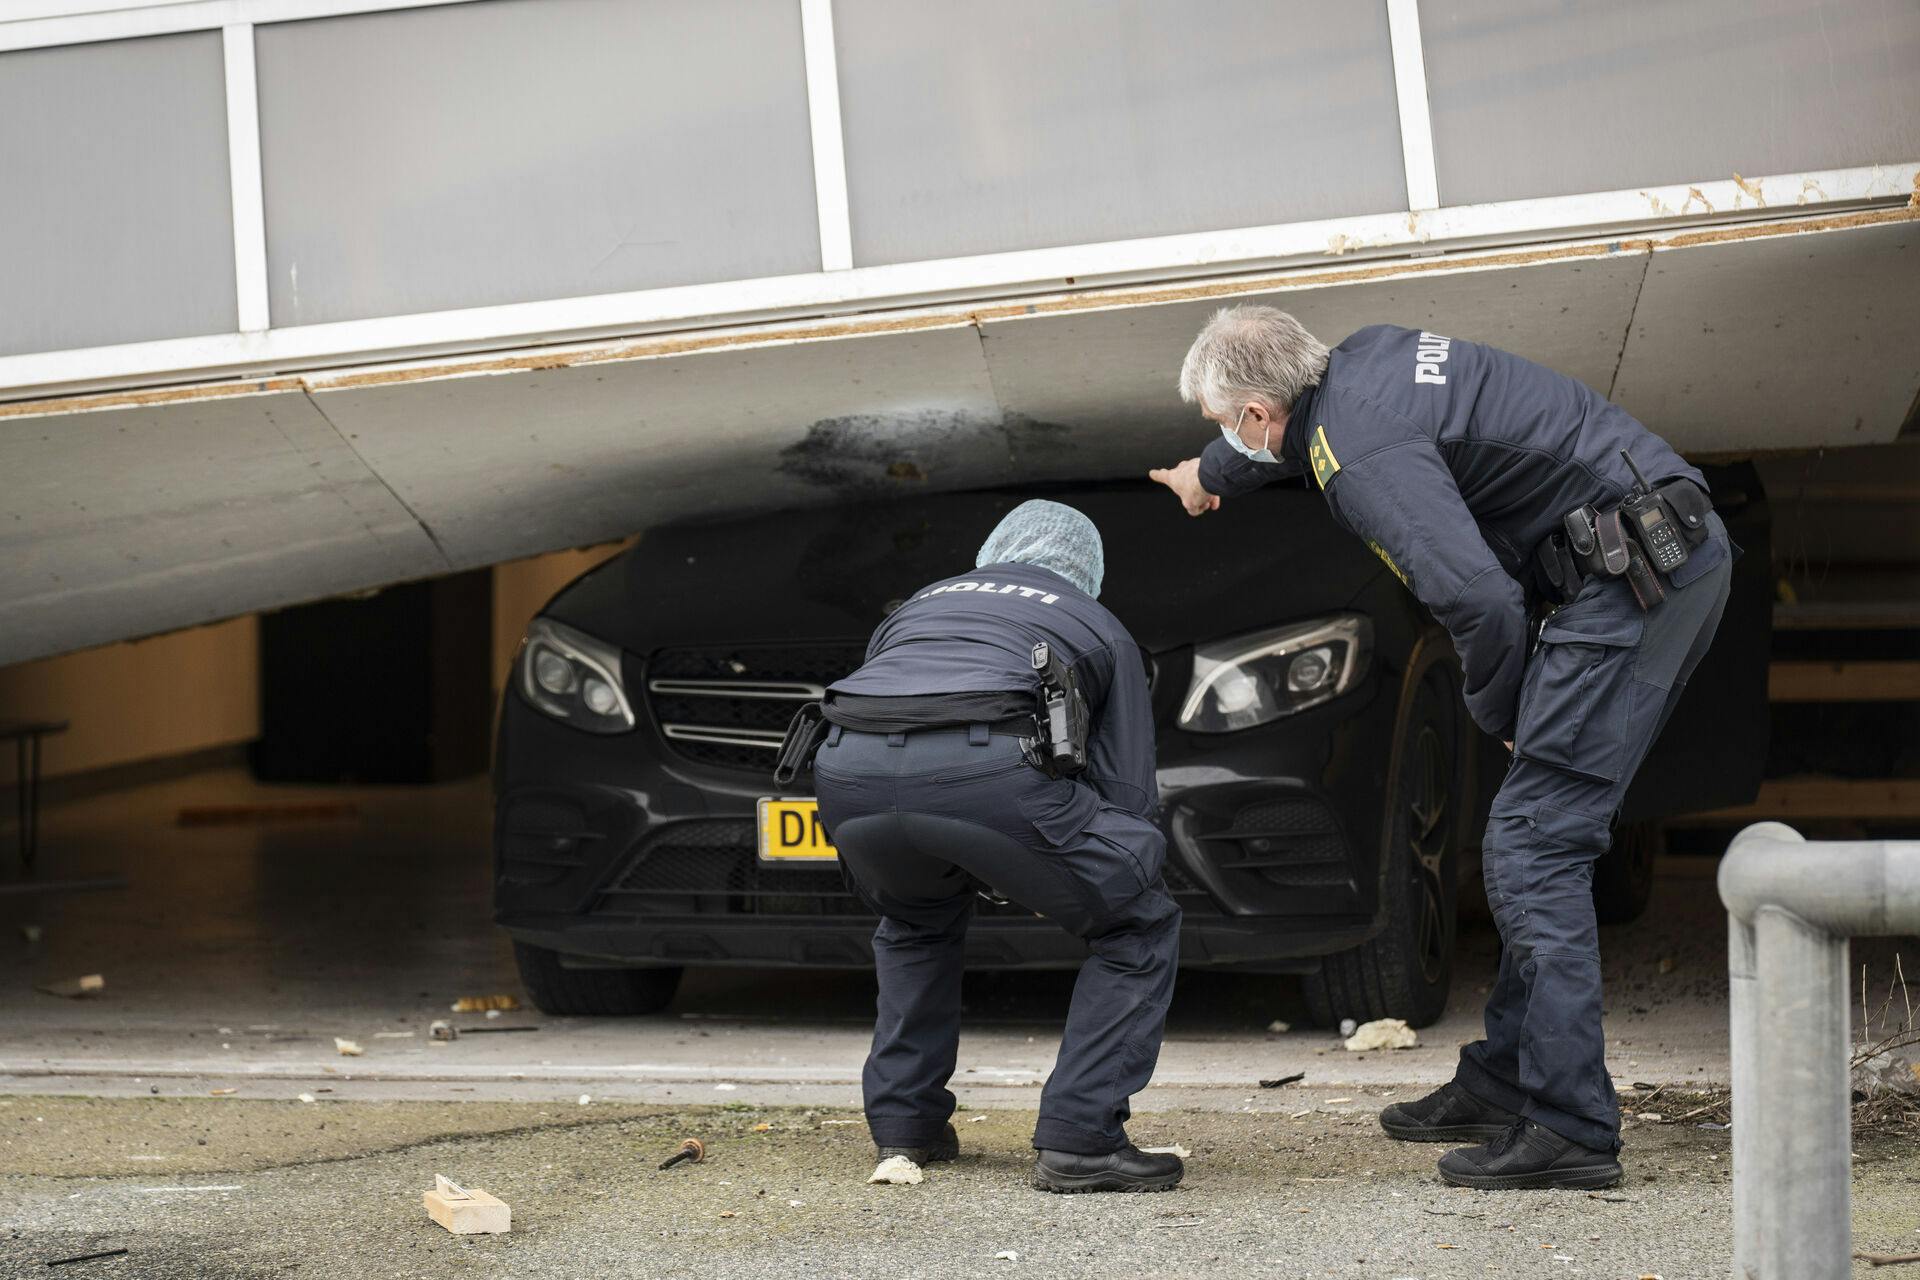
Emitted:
pixel 1639 479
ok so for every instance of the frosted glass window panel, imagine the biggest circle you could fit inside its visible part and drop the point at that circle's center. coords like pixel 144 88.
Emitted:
pixel 116 213
pixel 517 150
pixel 1005 124
pixel 1553 97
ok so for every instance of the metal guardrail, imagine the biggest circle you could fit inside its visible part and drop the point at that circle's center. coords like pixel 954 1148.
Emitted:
pixel 1791 906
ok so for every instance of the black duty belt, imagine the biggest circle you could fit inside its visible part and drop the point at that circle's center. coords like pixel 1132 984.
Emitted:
pixel 1642 540
pixel 1000 714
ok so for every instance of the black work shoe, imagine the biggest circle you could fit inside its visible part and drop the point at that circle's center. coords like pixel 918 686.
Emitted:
pixel 1529 1156
pixel 946 1147
pixel 1448 1114
pixel 1128 1169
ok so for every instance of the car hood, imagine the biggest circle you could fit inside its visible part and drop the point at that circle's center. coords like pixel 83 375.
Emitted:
pixel 834 573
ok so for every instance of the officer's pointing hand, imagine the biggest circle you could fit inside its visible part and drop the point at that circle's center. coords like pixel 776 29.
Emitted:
pixel 1184 480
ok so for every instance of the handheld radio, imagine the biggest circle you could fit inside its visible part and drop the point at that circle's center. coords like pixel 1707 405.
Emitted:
pixel 1654 525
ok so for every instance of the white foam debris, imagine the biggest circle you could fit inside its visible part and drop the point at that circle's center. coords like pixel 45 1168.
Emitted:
pixel 1387 1033
pixel 1175 1150
pixel 897 1171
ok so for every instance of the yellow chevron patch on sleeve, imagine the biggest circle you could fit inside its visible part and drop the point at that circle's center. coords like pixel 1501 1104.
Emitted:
pixel 1325 465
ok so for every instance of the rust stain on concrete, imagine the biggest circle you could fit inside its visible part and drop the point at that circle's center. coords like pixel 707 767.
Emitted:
pixel 134 399
pixel 1765 230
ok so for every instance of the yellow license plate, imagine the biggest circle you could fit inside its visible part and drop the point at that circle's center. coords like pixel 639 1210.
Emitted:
pixel 790 831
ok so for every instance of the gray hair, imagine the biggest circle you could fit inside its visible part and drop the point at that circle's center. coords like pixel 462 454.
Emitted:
pixel 1249 353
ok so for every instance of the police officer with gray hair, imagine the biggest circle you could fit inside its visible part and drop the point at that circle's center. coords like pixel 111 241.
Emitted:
pixel 999 739
pixel 1501 493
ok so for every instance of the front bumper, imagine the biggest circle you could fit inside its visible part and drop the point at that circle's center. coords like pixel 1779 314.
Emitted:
pixel 613 851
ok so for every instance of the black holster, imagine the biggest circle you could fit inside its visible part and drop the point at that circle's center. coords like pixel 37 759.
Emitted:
pixel 805 732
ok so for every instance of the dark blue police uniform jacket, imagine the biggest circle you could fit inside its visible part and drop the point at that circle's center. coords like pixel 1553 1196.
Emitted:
pixel 1453 460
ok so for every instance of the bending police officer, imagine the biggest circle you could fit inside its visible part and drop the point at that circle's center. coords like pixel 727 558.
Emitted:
pixel 928 784
pixel 1494 487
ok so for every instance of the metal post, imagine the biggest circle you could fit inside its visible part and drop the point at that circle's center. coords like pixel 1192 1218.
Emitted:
pixel 1744 1019
pixel 1792 905
pixel 1804 1136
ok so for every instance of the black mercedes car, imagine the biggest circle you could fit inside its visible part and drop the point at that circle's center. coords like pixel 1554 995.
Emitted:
pixel 1322 787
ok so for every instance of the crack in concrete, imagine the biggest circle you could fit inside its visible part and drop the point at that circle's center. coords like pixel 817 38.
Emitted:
pixel 445 559
pixel 1627 335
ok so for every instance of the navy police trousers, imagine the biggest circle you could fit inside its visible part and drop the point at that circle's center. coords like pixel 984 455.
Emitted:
pixel 922 821
pixel 1599 688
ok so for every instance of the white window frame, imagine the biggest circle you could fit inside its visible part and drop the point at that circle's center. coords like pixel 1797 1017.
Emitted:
pixel 258 349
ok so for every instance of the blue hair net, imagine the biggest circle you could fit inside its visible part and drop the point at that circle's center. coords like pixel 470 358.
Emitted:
pixel 1053 536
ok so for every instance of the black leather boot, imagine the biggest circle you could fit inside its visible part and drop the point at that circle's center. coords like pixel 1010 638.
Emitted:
pixel 1128 1169
pixel 947 1147
pixel 1448 1114
pixel 1529 1156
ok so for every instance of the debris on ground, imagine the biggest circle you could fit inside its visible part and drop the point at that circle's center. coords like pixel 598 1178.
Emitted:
pixel 1006 1255
pixel 85 1257
pixel 393 1035
pixel 1347 1027
pixel 306 1097
pixel 725 1088
pixel 896 1171
pixel 1295 1078
pixel 347 1048
pixel 1278 1028
pixel 492 1015
pixel 75 988
pixel 441 1029
pixel 1175 1150
pixel 465 1212
pixel 975 1119
pixel 1384 1033
pixel 488 1031
pixel 585 1098
pixel 221 1093
pixel 1887 1259
pixel 692 1150
pixel 480 1004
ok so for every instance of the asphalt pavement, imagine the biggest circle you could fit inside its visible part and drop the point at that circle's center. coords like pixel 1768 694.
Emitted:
pixel 163 1115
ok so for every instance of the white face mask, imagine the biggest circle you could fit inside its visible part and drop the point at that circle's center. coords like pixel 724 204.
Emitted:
pixel 1262 454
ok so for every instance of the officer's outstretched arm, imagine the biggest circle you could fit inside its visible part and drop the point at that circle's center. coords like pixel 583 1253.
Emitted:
pixel 1229 474
pixel 1404 501
pixel 1120 760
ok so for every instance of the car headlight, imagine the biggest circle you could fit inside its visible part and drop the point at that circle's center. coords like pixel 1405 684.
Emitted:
pixel 573 677
pixel 1253 679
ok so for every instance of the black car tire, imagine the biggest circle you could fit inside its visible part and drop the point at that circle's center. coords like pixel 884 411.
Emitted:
pixel 1407 969
pixel 1623 876
pixel 559 990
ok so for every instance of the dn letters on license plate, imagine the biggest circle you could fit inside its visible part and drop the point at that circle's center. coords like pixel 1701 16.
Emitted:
pixel 790 830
